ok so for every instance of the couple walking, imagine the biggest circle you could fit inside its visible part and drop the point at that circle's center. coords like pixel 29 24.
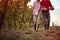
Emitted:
pixel 42 7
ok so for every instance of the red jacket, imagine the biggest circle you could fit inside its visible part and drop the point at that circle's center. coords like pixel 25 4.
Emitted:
pixel 47 4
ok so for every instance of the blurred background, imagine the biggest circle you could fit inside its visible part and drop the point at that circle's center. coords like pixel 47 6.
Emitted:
pixel 17 14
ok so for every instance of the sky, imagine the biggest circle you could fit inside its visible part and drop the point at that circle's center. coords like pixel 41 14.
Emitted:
pixel 55 14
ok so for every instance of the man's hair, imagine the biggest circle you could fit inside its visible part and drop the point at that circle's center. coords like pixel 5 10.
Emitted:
pixel 38 0
pixel 42 0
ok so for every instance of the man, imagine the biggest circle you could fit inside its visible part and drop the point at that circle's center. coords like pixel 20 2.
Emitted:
pixel 36 8
pixel 45 7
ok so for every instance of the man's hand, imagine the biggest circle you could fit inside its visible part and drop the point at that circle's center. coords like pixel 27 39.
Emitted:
pixel 51 8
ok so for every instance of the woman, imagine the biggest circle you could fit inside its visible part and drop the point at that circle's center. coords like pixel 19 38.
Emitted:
pixel 36 9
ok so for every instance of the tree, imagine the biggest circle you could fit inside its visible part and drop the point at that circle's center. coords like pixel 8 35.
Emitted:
pixel 24 11
pixel 4 3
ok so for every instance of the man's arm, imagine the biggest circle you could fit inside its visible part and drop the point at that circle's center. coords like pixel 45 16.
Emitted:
pixel 51 7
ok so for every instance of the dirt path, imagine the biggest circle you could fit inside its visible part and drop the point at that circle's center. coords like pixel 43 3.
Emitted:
pixel 52 34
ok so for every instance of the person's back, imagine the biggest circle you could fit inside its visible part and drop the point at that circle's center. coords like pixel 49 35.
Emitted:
pixel 47 4
pixel 36 17
pixel 36 7
pixel 45 7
